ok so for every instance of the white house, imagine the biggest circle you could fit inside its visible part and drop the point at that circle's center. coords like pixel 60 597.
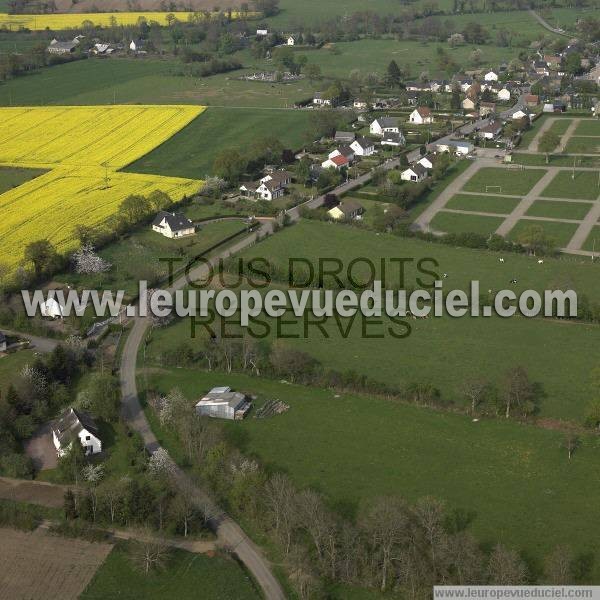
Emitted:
pixel 521 114
pixel 173 225
pixel 504 94
pixel 363 146
pixel 421 116
pixel 222 403
pixel 269 190
pixel 291 41
pixel 384 125
pixel 393 139
pixel 76 425
pixel 318 100
pixel 2 342
pixel 262 32
pixel 52 308
pixel 468 104
pixel 415 173
pixel 491 131
pixel 491 76
pixel 346 151
pixel 460 147
pixel 360 104
pixel 136 45
pixel 427 161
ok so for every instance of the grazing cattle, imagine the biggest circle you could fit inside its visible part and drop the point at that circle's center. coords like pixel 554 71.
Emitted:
pixel 501 260
pixel 541 261
pixel 513 281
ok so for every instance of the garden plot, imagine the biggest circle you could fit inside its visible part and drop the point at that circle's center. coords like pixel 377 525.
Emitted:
pixel 40 565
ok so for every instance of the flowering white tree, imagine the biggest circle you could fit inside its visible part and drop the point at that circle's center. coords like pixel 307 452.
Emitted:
pixel 93 473
pixel 35 377
pixel 87 261
pixel 170 405
pixel 160 463
pixel 213 186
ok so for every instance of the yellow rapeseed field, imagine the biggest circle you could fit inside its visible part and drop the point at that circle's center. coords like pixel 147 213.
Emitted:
pixel 83 148
pixel 59 21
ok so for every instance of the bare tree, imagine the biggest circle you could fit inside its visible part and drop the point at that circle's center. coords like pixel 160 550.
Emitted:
pixel 183 510
pixel 571 443
pixel 280 498
pixel 520 392
pixel 302 574
pixel 467 559
pixel 429 514
pixel 316 520
pixel 386 526
pixel 558 566
pixel 150 553
pixel 475 391
pixel 506 567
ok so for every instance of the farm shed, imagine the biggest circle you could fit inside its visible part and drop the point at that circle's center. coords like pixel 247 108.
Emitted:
pixel 222 403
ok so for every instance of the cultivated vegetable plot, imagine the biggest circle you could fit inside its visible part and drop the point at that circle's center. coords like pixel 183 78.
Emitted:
pixel 83 147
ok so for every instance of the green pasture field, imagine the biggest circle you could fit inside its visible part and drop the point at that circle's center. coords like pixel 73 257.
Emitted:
pixel 144 81
pixel 518 22
pixel 513 480
pixel 588 127
pixel 191 152
pixel 512 181
pixel 12 177
pixel 592 244
pixel 561 233
pixel 441 351
pixel 556 160
pixel 187 575
pixel 585 186
pixel 559 210
pixel 136 256
pixel 583 145
pixel 493 204
pixel 374 55
pixel 462 223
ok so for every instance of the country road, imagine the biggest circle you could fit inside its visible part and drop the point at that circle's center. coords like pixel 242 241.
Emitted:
pixel 547 25
pixel 229 533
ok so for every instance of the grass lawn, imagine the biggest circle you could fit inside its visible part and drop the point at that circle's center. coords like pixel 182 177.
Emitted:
pixel 187 575
pixel 583 145
pixel 514 480
pixel 584 186
pixel 11 365
pixel 12 177
pixel 191 152
pixel 556 160
pixel 373 55
pixel 491 204
pixel 560 232
pixel 458 223
pixel 588 127
pixel 559 210
pixel 441 350
pixel 514 182
pixel 593 242
pixel 144 81
pixel 137 255
pixel 560 126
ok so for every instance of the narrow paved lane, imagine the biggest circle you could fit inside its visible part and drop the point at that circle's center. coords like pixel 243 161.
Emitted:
pixel 229 533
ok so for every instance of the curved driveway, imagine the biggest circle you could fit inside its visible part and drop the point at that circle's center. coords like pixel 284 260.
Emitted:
pixel 230 535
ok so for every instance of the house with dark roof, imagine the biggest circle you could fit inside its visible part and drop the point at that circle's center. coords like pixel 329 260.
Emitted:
pixel 491 131
pixel 487 108
pixel 2 342
pixel 57 47
pixel 173 225
pixel 415 173
pixel 393 139
pixel 76 425
pixel 362 146
pixel 383 125
pixel 346 209
pixel 344 137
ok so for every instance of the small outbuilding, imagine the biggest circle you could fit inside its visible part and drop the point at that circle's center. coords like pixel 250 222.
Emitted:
pixel 3 342
pixel 223 403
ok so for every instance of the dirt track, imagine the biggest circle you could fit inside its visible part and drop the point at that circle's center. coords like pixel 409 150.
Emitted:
pixel 41 566
pixel 35 492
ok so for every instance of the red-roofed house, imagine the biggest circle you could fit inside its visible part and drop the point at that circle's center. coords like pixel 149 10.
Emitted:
pixel 421 115
pixel 335 162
